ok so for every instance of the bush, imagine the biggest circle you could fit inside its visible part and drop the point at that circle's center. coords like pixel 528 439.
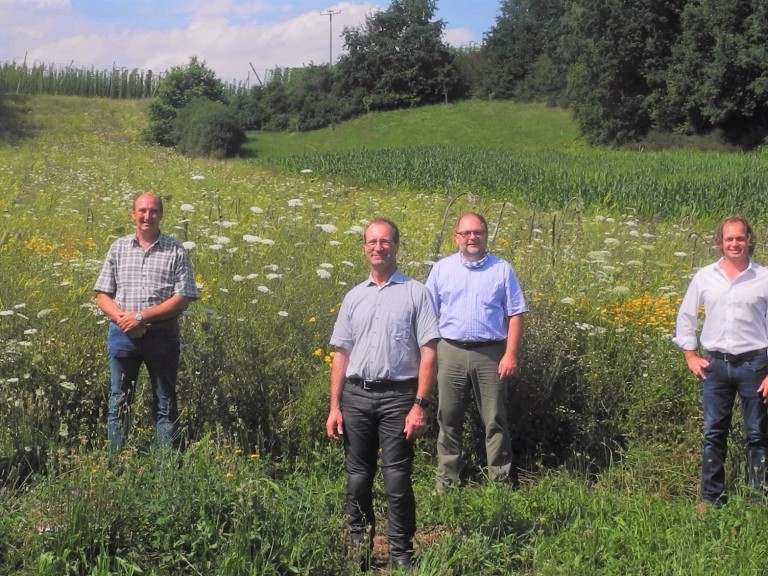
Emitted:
pixel 207 128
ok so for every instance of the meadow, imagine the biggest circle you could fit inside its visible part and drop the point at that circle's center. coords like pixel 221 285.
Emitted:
pixel 606 417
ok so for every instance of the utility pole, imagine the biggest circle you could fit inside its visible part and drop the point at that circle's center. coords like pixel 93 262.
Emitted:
pixel 330 14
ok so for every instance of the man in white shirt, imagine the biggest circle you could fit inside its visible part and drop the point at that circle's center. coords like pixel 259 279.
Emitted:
pixel 734 339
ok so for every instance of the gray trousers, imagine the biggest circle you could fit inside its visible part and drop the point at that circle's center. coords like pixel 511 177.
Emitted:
pixel 460 370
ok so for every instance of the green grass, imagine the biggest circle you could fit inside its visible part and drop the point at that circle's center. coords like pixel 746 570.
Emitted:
pixel 522 153
pixel 498 125
pixel 606 419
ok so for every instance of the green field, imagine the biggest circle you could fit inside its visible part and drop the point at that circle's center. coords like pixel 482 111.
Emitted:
pixel 606 417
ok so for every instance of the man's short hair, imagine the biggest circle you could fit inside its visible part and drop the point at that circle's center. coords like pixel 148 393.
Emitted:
pixel 476 215
pixel 388 222
pixel 159 201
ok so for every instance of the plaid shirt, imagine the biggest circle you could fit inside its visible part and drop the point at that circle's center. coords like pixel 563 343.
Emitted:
pixel 139 279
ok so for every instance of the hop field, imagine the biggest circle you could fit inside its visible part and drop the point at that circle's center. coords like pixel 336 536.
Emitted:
pixel 606 418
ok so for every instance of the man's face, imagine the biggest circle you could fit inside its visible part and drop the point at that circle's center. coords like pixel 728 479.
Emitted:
pixel 379 247
pixel 471 237
pixel 735 245
pixel 146 214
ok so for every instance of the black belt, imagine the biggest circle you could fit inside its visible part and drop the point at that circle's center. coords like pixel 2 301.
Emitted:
pixel 744 356
pixel 382 384
pixel 473 344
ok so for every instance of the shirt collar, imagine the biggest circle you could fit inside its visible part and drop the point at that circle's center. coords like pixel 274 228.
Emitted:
pixel 397 278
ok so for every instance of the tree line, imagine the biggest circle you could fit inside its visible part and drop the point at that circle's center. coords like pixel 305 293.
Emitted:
pixel 624 68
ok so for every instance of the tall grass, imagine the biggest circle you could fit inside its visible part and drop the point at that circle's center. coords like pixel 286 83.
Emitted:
pixel 606 420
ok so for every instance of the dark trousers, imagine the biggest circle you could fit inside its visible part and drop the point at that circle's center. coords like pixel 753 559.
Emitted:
pixel 724 380
pixel 372 420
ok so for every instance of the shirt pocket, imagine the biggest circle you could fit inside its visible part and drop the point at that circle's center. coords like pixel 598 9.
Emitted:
pixel 400 326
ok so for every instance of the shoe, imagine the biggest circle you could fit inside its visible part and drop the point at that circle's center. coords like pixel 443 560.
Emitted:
pixel 402 562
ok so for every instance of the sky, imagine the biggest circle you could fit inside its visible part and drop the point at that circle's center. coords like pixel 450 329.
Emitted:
pixel 237 39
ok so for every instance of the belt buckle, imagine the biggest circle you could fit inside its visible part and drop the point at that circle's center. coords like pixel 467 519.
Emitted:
pixel 365 382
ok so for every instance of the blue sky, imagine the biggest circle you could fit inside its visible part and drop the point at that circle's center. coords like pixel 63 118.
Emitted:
pixel 231 36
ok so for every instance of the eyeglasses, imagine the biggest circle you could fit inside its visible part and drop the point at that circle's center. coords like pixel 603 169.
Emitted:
pixel 470 233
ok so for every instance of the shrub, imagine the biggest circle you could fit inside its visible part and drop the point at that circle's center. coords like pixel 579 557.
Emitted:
pixel 207 128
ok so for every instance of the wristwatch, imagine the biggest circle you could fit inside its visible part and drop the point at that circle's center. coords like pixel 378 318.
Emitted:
pixel 140 319
pixel 423 402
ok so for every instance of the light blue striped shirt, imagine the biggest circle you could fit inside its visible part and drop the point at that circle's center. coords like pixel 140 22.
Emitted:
pixel 473 304
pixel 384 327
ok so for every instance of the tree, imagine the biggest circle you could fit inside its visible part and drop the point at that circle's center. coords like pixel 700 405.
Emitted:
pixel 398 59
pixel 616 54
pixel 175 91
pixel 719 78
pixel 524 29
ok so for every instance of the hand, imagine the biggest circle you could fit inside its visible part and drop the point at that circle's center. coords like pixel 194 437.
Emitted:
pixel 696 364
pixel 415 423
pixel 138 332
pixel 127 322
pixel 507 366
pixel 764 390
pixel 334 426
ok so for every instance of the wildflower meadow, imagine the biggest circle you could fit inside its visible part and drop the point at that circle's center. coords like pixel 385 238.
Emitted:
pixel 606 419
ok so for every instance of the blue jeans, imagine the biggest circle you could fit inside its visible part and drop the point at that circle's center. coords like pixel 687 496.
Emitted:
pixel 373 420
pixel 723 381
pixel 159 350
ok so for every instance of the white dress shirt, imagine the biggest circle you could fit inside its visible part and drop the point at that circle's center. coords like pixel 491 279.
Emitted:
pixel 735 312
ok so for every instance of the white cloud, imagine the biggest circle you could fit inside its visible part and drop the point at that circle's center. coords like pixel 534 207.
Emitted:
pixel 230 36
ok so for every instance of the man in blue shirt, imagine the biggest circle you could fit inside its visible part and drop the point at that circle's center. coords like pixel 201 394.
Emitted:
pixel 381 376
pixel 480 306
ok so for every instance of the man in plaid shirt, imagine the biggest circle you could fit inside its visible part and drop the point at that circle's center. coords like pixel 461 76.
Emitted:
pixel 144 286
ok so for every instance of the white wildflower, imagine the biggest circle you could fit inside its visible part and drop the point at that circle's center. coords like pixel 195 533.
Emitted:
pixel 189 245
pixel 324 274
pixel 295 203
pixel 187 208
pixel 329 228
pixel 264 289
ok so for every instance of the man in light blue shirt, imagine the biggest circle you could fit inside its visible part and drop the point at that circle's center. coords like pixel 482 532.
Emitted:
pixel 480 306
pixel 381 377
pixel 734 338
